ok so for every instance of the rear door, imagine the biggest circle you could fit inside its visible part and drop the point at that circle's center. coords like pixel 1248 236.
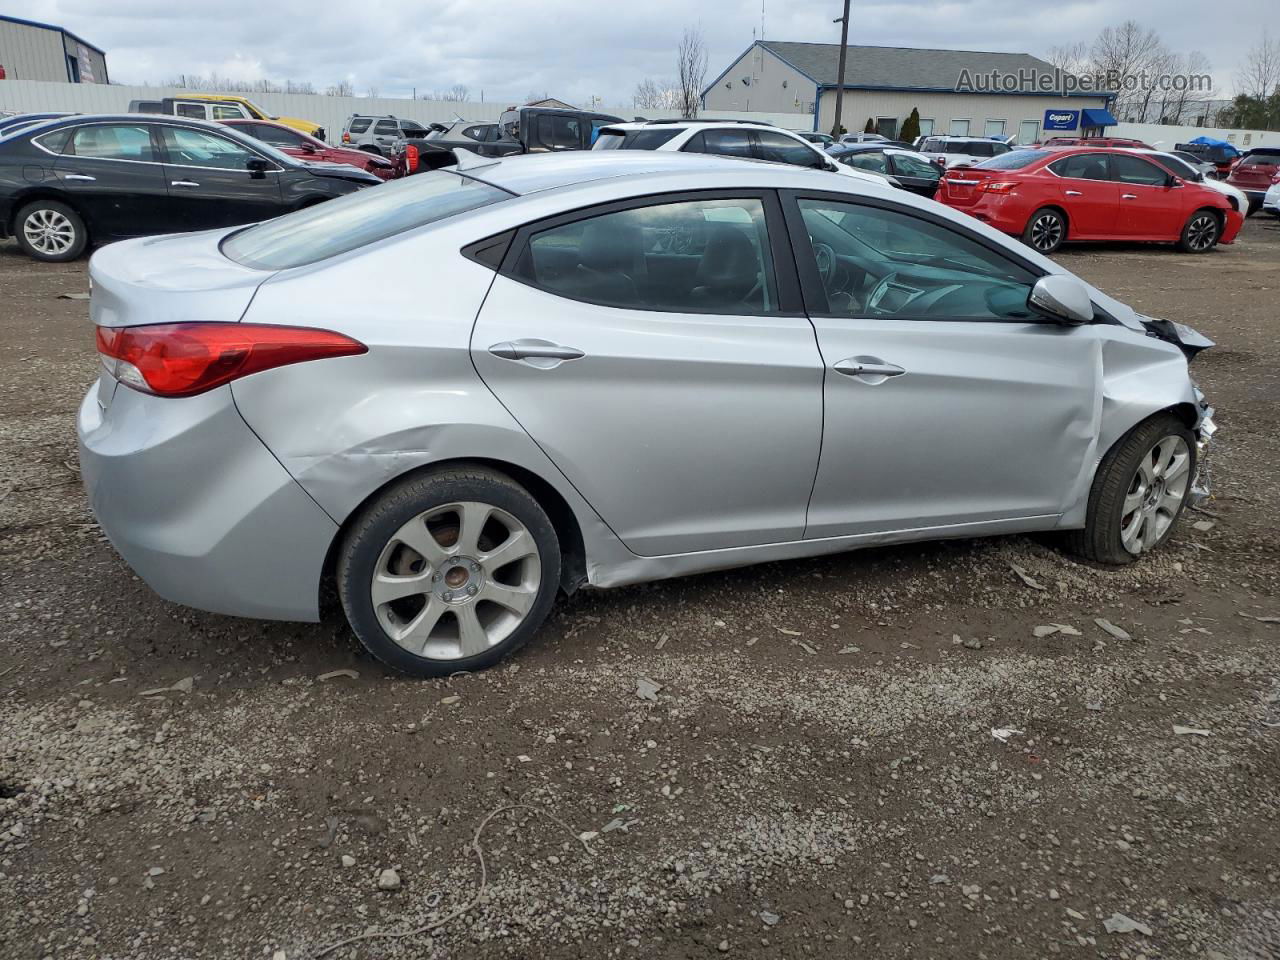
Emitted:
pixel 657 352
pixel 386 134
pixel 113 175
pixel 1149 207
pixel 947 406
pixel 210 183
pixel 1085 190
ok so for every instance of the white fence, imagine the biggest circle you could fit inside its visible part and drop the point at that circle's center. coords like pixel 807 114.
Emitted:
pixel 1164 137
pixel 24 96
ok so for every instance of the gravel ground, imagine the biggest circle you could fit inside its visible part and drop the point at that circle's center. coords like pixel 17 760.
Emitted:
pixel 817 773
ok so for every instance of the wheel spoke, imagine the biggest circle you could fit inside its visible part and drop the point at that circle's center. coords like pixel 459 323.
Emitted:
pixel 1150 531
pixel 1134 500
pixel 417 634
pixel 471 518
pixel 471 632
pixel 1131 533
pixel 387 587
pixel 1180 463
pixel 418 538
pixel 516 547
pixel 516 599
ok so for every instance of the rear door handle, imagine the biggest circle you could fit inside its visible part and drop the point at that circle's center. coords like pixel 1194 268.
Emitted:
pixel 183 183
pixel 868 367
pixel 1128 196
pixel 1074 193
pixel 79 176
pixel 541 353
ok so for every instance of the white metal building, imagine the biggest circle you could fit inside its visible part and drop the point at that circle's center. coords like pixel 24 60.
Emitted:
pixel 40 51
pixel 884 84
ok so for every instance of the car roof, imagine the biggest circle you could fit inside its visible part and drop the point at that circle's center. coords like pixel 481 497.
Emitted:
pixel 532 173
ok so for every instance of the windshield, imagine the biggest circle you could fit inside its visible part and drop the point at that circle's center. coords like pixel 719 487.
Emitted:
pixel 1013 160
pixel 612 138
pixel 356 220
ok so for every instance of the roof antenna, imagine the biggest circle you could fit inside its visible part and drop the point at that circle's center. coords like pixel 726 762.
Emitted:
pixel 472 161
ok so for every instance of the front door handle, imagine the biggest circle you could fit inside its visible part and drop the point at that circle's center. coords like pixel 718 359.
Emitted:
pixel 183 183
pixel 1128 196
pixel 79 176
pixel 539 353
pixel 871 370
pixel 1074 193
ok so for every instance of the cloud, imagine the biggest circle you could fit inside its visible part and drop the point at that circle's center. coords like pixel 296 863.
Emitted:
pixel 574 49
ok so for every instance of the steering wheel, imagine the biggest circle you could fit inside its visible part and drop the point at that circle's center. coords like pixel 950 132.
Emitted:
pixel 826 259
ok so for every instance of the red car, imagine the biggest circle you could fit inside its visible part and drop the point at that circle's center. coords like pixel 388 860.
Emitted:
pixel 298 144
pixel 1047 197
pixel 1254 173
pixel 1096 142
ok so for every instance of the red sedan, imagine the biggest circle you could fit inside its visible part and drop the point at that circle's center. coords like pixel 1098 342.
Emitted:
pixel 1048 197
pixel 298 144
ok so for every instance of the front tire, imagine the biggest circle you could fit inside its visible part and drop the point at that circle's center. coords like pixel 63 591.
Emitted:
pixel 449 570
pixel 1201 232
pixel 50 231
pixel 1045 230
pixel 1138 493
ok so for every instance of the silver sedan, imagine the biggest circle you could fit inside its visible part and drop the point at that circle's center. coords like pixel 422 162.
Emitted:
pixel 457 394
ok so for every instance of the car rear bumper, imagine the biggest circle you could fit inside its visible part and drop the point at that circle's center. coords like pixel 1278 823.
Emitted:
pixel 197 505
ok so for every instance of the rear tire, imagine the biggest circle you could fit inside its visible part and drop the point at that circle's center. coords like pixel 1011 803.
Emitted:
pixel 449 570
pixel 1201 232
pixel 1045 231
pixel 1138 493
pixel 50 231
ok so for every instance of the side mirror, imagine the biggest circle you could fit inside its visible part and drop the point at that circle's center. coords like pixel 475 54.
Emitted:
pixel 256 164
pixel 1062 298
pixel 1173 181
pixel 309 147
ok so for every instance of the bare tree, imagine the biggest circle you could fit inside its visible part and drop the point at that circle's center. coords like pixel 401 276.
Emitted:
pixel 691 63
pixel 1259 76
pixel 458 93
pixel 653 94
pixel 1072 58
pixel 343 88
pixel 1124 54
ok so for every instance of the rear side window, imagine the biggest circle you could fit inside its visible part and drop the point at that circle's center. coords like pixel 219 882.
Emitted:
pixel 387 128
pixel 357 220
pixel 113 142
pixel 611 139
pixel 1080 166
pixel 359 125
pixel 699 256
pixel 872 160
pixel 54 142
pixel 728 143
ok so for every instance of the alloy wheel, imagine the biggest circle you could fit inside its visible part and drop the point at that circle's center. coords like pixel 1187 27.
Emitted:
pixel 456 580
pixel 1155 495
pixel 49 232
pixel 1202 232
pixel 1046 232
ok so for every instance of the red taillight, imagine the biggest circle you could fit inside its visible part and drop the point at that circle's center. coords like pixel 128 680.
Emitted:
pixel 998 186
pixel 183 359
pixel 410 158
pixel 346 137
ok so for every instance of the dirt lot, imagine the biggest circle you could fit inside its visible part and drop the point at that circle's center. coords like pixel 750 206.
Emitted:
pixel 817 775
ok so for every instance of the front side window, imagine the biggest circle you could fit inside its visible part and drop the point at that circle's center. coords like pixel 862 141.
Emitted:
pixel 874 262
pixel 779 148
pixel 872 160
pixel 909 166
pixel 228 111
pixel 358 219
pixel 558 132
pixel 699 256
pixel 195 148
pixel 1081 166
pixel 1127 168
pixel 278 136
pixel 980 148
pixel 110 141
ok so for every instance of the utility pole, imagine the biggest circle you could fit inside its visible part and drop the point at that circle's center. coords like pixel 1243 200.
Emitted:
pixel 844 48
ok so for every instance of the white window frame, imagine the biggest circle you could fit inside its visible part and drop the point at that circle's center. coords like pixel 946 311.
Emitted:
pixel 929 131
pixel 988 132
pixel 951 127
pixel 1034 138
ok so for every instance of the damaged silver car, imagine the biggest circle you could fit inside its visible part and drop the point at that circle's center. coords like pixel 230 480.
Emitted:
pixel 633 365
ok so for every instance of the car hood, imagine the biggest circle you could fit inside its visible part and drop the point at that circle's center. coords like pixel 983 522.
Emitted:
pixel 171 279
pixel 340 171
pixel 306 126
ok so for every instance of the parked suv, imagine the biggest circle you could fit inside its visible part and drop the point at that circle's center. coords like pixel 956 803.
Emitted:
pixel 748 139
pixel 953 151
pixel 384 136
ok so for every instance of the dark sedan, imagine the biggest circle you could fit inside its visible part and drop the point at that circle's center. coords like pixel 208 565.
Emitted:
pixel 92 179
pixel 913 171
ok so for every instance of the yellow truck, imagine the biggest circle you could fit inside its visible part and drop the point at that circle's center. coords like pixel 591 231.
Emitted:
pixel 218 106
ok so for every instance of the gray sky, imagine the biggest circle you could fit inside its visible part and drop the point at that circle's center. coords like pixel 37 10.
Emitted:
pixel 575 49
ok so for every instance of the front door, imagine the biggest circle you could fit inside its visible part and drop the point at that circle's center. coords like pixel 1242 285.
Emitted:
pixel 948 407
pixel 210 183
pixel 112 173
pixel 646 348
pixel 1150 209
